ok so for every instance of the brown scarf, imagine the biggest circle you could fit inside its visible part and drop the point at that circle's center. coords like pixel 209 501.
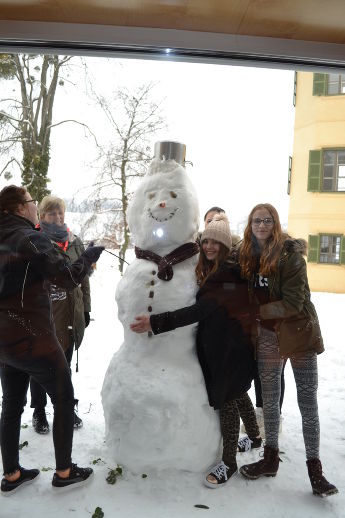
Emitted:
pixel 165 264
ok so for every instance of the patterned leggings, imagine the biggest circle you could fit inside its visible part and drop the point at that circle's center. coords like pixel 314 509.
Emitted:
pixel 305 373
pixel 230 415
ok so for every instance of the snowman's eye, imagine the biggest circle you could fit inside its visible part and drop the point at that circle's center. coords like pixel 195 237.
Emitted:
pixel 173 194
pixel 151 195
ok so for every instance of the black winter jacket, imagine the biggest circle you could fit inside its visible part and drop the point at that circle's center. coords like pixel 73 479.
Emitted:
pixel 28 264
pixel 224 345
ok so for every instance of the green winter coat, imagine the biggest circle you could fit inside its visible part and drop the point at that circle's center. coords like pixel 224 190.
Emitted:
pixel 297 325
pixel 69 306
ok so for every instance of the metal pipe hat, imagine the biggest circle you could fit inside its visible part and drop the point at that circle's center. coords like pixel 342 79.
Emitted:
pixel 168 150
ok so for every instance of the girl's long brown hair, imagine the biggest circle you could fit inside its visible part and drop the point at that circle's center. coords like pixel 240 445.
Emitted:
pixel 205 268
pixel 269 256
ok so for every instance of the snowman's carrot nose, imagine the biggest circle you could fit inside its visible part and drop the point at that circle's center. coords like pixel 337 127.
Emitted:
pixel 162 204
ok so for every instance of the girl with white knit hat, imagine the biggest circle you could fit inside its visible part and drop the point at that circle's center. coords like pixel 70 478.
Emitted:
pixel 224 345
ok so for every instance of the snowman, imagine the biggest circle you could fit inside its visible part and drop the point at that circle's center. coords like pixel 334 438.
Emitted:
pixel 154 399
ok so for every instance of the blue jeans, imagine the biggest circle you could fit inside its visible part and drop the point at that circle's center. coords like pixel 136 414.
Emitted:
pixel 41 357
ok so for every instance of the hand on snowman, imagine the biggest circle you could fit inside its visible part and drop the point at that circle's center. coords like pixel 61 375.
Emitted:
pixel 141 324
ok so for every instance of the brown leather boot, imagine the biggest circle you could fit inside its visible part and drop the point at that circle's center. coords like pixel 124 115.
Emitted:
pixel 267 467
pixel 319 483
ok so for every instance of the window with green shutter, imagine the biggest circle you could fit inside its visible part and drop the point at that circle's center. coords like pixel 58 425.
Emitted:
pixel 336 84
pixel 320 82
pixel 333 170
pixel 329 84
pixel 294 89
pixel 329 248
pixel 313 249
pixel 314 170
pixel 342 250
pixel 289 175
pixel 326 249
pixel 326 170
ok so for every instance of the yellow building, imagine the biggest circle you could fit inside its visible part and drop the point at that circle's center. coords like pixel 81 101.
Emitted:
pixel 317 177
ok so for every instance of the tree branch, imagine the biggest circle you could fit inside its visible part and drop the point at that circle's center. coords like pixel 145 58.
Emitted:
pixel 76 122
pixel 8 163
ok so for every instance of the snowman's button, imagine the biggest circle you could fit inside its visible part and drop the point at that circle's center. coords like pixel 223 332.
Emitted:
pixel 149 308
pixel 151 295
pixel 152 283
pixel 149 334
pixel 153 272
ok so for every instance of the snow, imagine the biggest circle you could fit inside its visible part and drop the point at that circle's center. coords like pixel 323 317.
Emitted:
pixel 154 395
pixel 173 493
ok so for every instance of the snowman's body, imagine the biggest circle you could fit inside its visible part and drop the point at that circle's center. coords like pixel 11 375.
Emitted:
pixel 155 403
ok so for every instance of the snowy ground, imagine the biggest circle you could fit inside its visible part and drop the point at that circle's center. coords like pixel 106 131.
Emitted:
pixel 176 494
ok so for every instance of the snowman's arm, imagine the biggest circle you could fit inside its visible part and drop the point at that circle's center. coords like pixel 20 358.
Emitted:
pixel 170 320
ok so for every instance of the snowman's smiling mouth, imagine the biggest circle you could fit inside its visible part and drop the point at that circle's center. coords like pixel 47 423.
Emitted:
pixel 169 216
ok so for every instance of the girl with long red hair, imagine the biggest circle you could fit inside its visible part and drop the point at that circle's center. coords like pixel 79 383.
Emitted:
pixel 288 327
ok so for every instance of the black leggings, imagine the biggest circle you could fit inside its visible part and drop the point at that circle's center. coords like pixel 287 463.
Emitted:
pixel 42 358
pixel 38 393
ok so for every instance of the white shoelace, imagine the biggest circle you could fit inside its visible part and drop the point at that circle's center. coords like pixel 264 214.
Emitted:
pixel 245 443
pixel 220 470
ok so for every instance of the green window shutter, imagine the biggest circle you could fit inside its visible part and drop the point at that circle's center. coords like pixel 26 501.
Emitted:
pixel 342 250
pixel 289 175
pixel 294 89
pixel 320 84
pixel 313 249
pixel 314 171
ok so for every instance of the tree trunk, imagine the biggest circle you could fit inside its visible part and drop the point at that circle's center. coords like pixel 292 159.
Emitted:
pixel 35 174
pixel 35 125
pixel 124 246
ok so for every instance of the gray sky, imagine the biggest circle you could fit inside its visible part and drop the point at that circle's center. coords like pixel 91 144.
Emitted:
pixel 236 122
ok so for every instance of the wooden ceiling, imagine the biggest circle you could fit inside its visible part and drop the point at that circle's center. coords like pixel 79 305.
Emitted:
pixel 308 20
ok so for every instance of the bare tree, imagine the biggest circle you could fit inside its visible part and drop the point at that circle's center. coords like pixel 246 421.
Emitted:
pixel 26 119
pixel 134 120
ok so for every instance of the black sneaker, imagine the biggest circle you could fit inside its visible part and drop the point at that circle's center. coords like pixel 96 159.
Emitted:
pixel 245 443
pixel 221 473
pixel 78 423
pixel 77 477
pixel 26 477
pixel 39 421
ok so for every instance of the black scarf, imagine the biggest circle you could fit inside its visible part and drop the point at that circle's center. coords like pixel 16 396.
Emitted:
pixel 165 264
pixel 58 233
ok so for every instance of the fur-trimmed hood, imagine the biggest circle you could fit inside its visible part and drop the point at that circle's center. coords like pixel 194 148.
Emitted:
pixel 295 245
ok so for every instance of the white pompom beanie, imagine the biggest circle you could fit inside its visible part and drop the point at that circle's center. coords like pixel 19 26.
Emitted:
pixel 219 230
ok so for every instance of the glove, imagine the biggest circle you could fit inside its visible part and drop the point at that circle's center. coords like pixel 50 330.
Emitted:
pixel 92 253
pixel 86 318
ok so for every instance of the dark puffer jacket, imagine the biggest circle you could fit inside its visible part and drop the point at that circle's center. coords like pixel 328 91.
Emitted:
pixel 29 263
pixel 297 326
pixel 224 345
pixel 69 305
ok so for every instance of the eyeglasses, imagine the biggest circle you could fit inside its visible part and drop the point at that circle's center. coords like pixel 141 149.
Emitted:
pixel 266 221
pixel 31 201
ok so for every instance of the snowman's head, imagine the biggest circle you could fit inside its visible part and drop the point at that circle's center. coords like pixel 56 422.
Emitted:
pixel 164 211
